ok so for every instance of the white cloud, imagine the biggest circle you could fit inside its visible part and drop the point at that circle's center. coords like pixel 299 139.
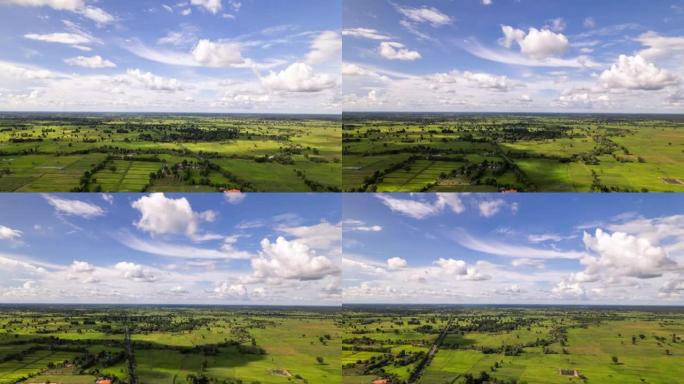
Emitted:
pixel 474 79
pixel 213 6
pixel 291 260
pixel 489 208
pixel 151 81
pixel 558 24
pixel 620 254
pixel 396 51
pixel 217 54
pixel 360 226
pixel 24 72
pixel 135 272
pixel 78 6
pixel 460 268
pixel 226 252
pixel 634 72
pixel 227 290
pixel 298 77
pixel 161 215
pixel 660 46
pixel 327 46
pixel 511 250
pixel 540 238
pixel 396 263
pixel 81 267
pixel 7 233
pixel 320 236
pixel 60 38
pixel 186 12
pixel 425 15
pixel 536 44
pixel 90 62
pixel 422 209
pixel 486 2
pixel 589 22
pixel 234 197
pixel 366 33
pixel 74 207
pixel 108 197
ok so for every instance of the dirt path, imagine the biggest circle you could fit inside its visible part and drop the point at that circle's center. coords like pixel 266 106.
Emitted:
pixel 418 373
pixel 132 376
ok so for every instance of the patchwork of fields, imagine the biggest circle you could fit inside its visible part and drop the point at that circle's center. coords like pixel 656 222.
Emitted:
pixel 71 345
pixel 489 153
pixel 129 153
pixel 517 345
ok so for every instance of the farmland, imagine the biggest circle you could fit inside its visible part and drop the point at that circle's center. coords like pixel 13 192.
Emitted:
pixel 79 344
pixel 499 344
pixel 168 153
pixel 410 152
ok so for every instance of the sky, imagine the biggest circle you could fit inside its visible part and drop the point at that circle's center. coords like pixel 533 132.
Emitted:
pixel 513 55
pixel 160 248
pixel 170 55
pixel 513 249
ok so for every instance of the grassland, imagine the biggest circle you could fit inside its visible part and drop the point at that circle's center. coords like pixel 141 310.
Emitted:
pixel 75 345
pixel 184 153
pixel 534 345
pixel 487 152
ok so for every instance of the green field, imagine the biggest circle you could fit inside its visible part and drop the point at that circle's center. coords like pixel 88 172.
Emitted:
pixel 519 345
pixel 144 153
pixel 414 152
pixel 75 345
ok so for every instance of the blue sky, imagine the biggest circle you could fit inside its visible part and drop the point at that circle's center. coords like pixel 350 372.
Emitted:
pixel 187 55
pixel 173 248
pixel 513 248
pixel 504 55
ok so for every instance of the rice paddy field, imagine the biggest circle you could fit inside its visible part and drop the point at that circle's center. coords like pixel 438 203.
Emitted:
pixel 185 153
pixel 411 152
pixel 531 345
pixel 74 345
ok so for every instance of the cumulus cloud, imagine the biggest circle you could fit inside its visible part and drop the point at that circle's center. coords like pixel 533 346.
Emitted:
pixel 423 209
pixel 489 208
pixel 396 51
pixel 72 207
pixel 135 272
pixel 81 267
pixel 536 44
pixel 7 233
pixel 365 33
pixel 327 46
pixel 161 215
pixel 217 54
pixel 396 263
pixel 620 254
pixel 234 197
pixel 90 62
pixel 432 15
pixel 298 77
pixel 291 260
pixel 151 81
pixel 634 72
pixel 233 291
pixel 77 6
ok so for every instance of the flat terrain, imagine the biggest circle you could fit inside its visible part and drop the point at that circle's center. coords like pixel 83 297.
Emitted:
pixel 514 345
pixel 486 152
pixel 74 345
pixel 131 153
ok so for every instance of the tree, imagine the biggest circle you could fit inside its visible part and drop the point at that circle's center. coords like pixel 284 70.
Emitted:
pixel 615 359
pixel 320 360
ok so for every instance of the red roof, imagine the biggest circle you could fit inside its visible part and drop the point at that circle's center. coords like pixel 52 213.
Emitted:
pixel 103 381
